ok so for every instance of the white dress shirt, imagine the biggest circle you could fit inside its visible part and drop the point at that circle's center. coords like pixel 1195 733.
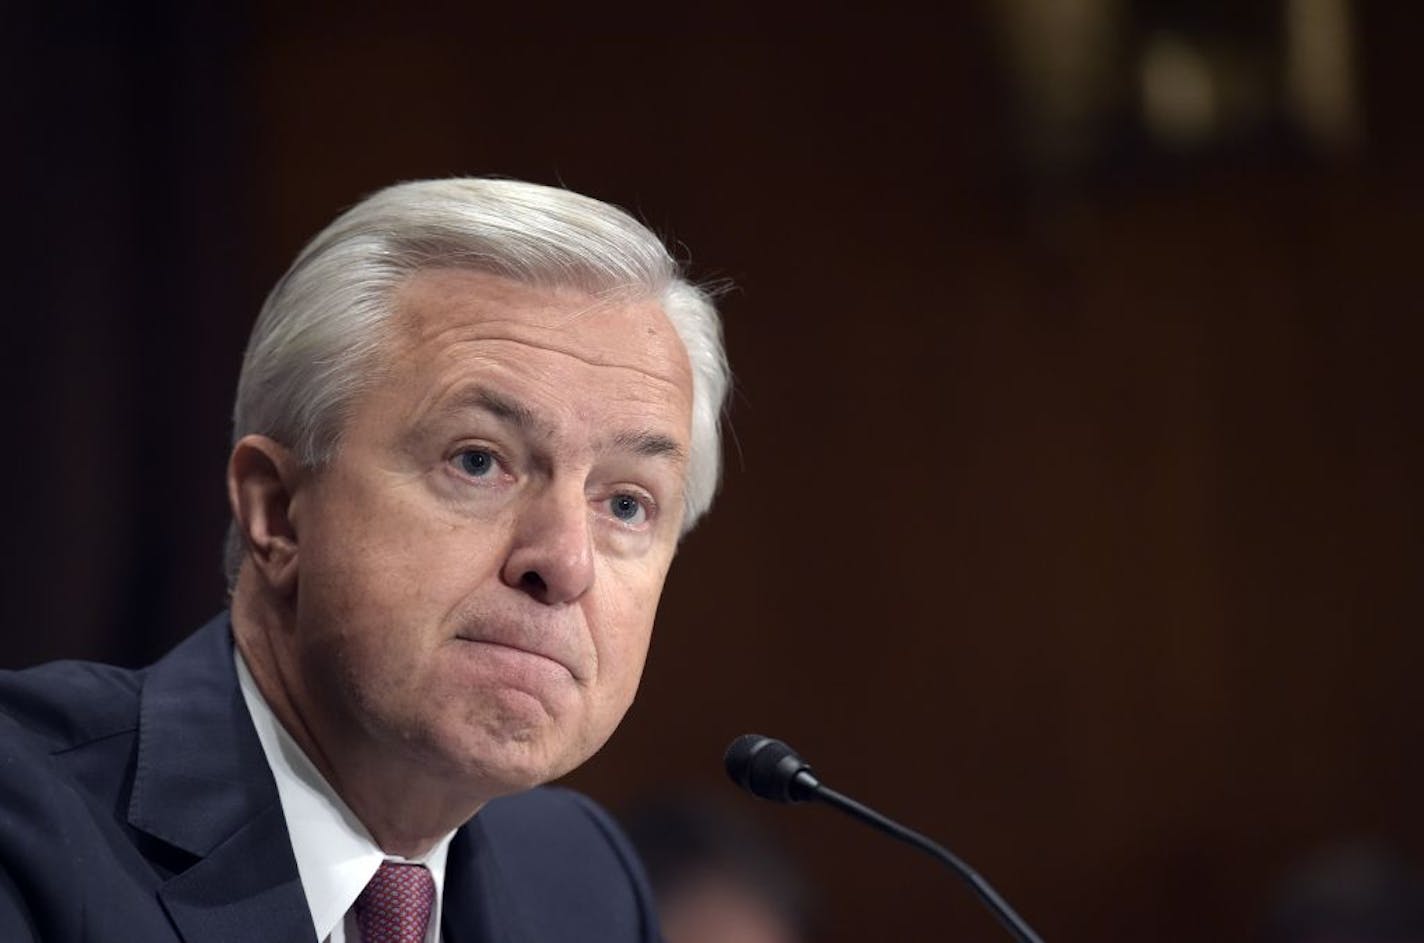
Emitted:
pixel 336 856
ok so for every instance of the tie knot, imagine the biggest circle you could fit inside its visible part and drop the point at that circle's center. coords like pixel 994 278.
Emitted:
pixel 395 906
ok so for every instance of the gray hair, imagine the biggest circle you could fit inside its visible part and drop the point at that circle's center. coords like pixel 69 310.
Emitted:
pixel 326 319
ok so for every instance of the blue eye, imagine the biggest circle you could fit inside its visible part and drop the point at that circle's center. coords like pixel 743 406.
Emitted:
pixel 627 508
pixel 477 463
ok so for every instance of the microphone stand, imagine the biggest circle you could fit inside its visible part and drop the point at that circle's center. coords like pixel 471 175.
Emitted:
pixel 769 769
pixel 1011 921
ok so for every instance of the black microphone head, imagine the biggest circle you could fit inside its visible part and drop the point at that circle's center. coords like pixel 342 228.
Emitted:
pixel 770 769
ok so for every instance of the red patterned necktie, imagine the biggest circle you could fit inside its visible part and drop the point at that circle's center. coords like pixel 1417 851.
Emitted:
pixel 395 906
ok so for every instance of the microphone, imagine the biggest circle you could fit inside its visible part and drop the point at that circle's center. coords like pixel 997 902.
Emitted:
pixel 770 769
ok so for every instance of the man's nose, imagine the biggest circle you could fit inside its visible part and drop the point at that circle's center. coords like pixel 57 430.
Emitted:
pixel 552 555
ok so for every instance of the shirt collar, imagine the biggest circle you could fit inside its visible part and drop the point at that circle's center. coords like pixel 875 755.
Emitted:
pixel 336 856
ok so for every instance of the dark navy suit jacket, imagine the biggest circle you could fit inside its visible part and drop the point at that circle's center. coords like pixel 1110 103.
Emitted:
pixel 138 806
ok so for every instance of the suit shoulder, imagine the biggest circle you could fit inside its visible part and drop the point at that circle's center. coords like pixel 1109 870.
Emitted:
pixel 69 703
pixel 557 844
pixel 552 813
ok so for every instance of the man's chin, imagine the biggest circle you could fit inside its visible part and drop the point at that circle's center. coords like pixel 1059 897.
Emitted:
pixel 504 760
pixel 508 741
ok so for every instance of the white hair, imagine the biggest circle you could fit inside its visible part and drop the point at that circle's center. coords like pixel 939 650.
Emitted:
pixel 326 319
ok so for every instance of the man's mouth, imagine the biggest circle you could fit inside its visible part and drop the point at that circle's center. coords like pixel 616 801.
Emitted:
pixel 526 650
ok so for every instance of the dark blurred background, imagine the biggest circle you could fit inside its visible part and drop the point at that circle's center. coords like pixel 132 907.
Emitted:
pixel 1073 504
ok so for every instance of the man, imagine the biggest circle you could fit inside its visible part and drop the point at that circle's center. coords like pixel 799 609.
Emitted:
pixel 473 421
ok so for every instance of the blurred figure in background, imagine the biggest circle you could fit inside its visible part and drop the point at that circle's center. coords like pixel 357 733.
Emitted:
pixel 1358 893
pixel 717 878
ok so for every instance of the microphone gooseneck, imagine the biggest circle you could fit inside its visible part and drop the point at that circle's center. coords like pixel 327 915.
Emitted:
pixel 770 769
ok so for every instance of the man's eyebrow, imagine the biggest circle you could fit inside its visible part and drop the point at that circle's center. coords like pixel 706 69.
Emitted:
pixel 642 442
pixel 653 444
pixel 497 405
pixel 516 414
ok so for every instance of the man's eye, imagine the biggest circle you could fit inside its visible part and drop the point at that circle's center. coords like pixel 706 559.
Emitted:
pixel 477 463
pixel 627 508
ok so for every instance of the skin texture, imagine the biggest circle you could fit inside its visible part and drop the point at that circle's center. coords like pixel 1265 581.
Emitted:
pixel 459 605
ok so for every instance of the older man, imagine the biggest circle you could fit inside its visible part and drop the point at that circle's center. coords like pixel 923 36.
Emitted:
pixel 474 419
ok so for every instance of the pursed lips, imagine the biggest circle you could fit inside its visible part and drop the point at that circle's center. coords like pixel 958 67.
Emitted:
pixel 519 645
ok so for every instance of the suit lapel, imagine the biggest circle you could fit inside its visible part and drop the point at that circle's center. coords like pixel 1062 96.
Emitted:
pixel 477 907
pixel 247 889
pixel 201 784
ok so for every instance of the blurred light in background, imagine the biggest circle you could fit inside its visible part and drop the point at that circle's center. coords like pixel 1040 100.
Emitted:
pixel 1099 82
pixel 1320 73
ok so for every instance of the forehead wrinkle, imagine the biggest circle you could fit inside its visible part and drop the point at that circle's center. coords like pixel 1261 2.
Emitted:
pixel 671 379
pixel 449 357
pixel 539 318
pixel 495 343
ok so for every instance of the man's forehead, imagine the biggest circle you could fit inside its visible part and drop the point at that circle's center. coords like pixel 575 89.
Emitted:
pixel 560 365
pixel 443 307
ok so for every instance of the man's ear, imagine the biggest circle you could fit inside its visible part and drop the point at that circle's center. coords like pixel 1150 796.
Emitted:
pixel 262 479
